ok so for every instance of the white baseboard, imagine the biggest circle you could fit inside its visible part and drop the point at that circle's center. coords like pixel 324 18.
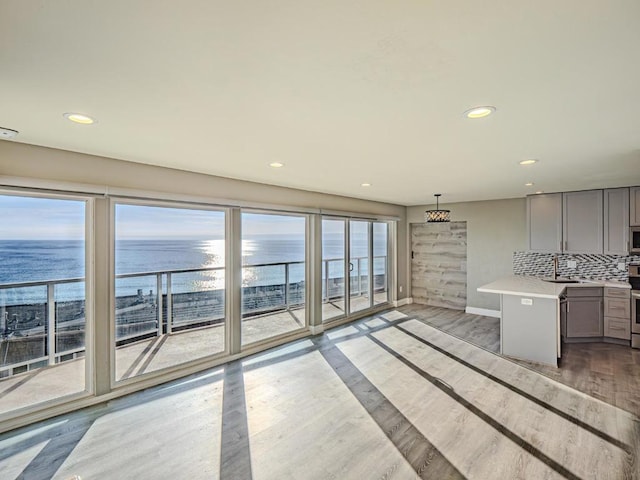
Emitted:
pixel 403 301
pixel 316 329
pixel 483 311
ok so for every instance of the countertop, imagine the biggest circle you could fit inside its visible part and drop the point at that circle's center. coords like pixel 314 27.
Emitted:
pixel 537 287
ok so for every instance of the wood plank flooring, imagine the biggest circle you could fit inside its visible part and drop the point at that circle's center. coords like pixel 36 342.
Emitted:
pixel 386 397
pixel 477 329
pixel 605 371
pixel 157 353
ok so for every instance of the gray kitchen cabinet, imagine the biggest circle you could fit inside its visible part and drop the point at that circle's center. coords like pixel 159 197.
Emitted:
pixel 634 206
pixel 584 315
pixel 616 221
pixel 544 222
pixel 617 313
pixel 582 222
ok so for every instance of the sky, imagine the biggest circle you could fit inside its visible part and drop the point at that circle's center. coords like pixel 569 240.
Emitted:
pixel 29 218
pixel 136 222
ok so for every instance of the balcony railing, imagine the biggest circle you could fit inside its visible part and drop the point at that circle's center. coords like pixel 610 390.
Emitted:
pixel 43 330
pixel 333 285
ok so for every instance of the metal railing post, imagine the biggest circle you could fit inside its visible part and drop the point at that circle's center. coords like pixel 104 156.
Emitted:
pixel 286 285
pixel 169 303
pixel 159 301
pixel 51 323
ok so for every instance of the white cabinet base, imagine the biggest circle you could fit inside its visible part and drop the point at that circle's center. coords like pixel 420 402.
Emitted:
pixel 529 328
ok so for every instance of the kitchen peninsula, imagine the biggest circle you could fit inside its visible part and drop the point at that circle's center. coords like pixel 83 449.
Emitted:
pixel 530 314
pixel 529 317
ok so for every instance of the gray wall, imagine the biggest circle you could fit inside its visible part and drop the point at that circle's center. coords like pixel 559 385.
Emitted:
pixel 495 229
pixel 32 162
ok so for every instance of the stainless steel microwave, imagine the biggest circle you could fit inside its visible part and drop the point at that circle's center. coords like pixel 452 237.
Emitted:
pixel 634 240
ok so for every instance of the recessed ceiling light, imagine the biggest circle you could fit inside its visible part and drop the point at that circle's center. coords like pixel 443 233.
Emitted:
pixel 479 112
pixel 365 184
pixel 79 118
pixel 528 184
pixel 539 192
pixel 528 162
pixel 8 133
pixel 276 164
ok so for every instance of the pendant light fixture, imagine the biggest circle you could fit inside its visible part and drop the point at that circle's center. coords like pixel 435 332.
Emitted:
pixel 437 215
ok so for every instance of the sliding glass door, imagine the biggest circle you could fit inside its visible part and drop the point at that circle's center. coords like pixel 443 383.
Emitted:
pixel 359 264
pixel 356 250
pixel 380 263
pixel 334 285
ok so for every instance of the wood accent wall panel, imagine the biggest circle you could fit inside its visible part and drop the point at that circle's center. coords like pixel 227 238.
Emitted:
pixel 439 264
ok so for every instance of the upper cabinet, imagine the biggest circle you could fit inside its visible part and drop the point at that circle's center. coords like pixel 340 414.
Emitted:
pixel 582 222
pixel 590 221
pixel 544 222
pixel 616 221
pixel 635 205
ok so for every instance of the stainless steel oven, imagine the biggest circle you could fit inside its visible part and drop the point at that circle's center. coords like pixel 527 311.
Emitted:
pixel 634 240
pixel 634 280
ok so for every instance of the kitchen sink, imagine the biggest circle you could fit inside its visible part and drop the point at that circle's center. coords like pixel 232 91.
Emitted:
pixel 561 280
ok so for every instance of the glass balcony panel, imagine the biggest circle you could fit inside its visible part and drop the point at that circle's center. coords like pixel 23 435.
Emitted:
pixel 70 320
pixel 136 307
pixel 23 344
pixel 198 302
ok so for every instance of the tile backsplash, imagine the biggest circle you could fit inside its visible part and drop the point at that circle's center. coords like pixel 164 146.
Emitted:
pixel 588 266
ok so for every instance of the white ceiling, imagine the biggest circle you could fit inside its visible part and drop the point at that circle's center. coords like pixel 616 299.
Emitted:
pixel 342 92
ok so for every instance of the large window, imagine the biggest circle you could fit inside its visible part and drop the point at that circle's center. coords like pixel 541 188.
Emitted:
pixel 170 281
pixel 43 314
pixel 273 275
pixel 169 287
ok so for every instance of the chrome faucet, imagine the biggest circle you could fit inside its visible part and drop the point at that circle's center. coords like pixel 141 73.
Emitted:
pixel 554 259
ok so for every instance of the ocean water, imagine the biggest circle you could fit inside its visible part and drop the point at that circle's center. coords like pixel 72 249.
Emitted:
pixel 46 260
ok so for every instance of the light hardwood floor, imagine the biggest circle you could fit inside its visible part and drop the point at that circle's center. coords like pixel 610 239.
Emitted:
pixel 603 370
pixel 157 353
pixel 388 397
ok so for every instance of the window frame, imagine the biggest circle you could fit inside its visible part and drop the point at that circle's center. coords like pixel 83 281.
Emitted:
pixel 189 364
pixel 308 292
pixel 89 289
pixel 100 201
